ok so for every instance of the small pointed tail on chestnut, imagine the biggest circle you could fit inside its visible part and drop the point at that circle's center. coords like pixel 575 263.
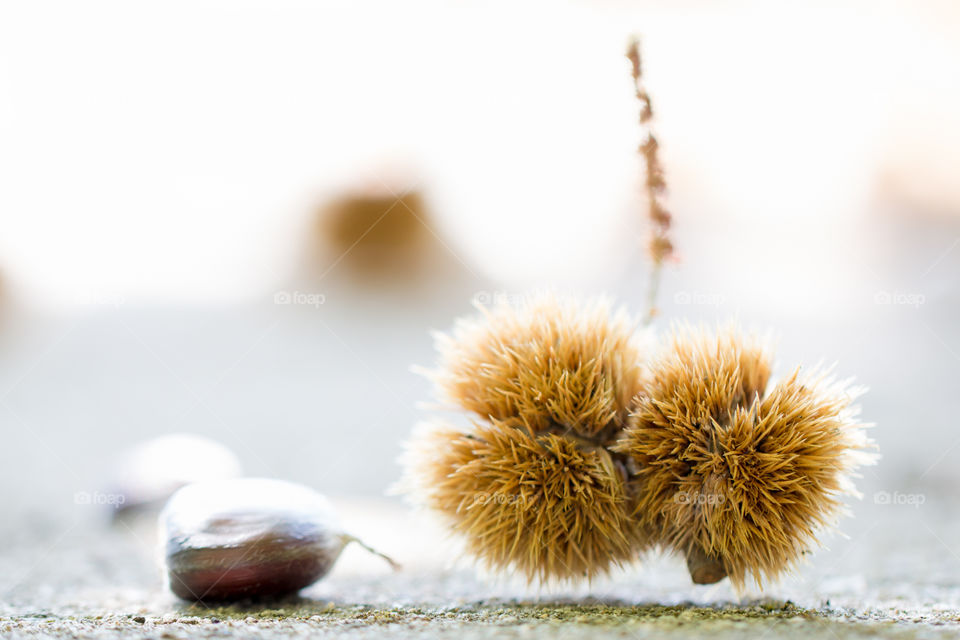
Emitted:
pixel 347 539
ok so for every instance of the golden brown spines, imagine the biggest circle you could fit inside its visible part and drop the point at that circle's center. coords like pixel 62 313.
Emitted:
pixel 547 362
pixel 731 474
pixel 537 503
pixel 532 486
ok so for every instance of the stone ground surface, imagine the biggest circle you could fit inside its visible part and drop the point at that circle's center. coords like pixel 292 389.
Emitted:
pixel 895 576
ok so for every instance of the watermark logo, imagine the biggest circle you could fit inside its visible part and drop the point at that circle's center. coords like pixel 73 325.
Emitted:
pixel 99 498
pixel 698 298
pixel 300 298
pixel 494 298
pixel 699 499
pixel 897 498
pixel 501 499
pixel 899 298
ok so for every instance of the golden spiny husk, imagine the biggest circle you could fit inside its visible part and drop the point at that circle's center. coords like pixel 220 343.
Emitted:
pixel 547 362
pixel 583 456
pixel 537 503
pixel 722 466
pixel 532 487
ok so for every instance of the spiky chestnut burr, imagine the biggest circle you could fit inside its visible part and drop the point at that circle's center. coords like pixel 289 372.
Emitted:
pixel 538 503
pixel 532 487
pixel 551 362
pixel 737 476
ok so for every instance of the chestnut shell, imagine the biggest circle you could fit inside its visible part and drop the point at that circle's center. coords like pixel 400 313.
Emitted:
pixel 244 538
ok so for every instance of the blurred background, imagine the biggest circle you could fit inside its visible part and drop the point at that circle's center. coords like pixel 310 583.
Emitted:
pixel 243 223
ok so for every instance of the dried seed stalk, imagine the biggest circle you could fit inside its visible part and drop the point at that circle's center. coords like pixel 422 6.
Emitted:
pixel 659 246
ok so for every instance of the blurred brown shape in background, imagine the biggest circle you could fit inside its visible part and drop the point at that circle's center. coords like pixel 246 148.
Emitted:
pixel 375 233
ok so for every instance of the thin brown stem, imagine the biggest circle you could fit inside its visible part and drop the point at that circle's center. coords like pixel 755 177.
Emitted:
pixel 659 246
pixel 653 288
pixel 348 539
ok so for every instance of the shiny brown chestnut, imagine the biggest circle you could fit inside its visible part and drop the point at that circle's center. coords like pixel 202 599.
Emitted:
pixel 249 537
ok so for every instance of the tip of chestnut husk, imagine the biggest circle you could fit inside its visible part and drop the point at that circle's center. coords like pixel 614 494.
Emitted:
pixel 703 568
